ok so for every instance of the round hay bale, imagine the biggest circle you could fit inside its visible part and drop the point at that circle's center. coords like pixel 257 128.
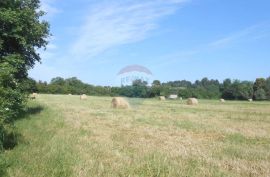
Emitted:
pixel 222 100
pixel 33 96
pixel 119 102
pixel 250 100
pixel 192 101
pixel 69 94
pixel 83 97
pixel 162 98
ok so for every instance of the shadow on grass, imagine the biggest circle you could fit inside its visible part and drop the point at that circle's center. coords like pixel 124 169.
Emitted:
pixel 12 136
pixel 32 110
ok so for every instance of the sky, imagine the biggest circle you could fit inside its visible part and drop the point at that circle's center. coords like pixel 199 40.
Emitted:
pixel 174 39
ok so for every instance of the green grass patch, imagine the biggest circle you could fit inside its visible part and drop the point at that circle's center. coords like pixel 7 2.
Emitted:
pixel 238 138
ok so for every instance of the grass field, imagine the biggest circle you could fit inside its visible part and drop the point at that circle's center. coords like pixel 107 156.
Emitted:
pixel 66 136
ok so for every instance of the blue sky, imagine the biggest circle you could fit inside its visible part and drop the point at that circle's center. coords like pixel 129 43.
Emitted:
pixel 174 39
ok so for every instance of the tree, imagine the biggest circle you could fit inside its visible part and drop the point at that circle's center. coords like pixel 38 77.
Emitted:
pixel 260 83
pixel 156 83
pixel 267 86
pixel 139 89
pixel 185 93
pixel 58 81
pixel 259 88
pixel 155 89
pixel 227 83
pixel 260 94
pixel 21 34
pixel 238 90
pixel 29 85
pixel 244 90
pixel 139 82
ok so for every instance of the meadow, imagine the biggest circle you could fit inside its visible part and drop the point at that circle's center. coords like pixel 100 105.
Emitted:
pixel 64 136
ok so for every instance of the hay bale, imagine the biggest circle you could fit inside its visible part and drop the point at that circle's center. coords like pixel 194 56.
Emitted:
pixel 222 100
pixel 250 100
pixel 33 96
pixel 162 98
pixel 192 101
pixel 69 94
pixel 119 102
pixel 83 97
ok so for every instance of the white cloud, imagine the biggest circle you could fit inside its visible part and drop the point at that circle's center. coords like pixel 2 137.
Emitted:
pixel 112 24
pixel 49 7
pixel 241 37
pixel 254 32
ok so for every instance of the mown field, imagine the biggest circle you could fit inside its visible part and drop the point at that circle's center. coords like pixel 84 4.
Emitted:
pixel 65 136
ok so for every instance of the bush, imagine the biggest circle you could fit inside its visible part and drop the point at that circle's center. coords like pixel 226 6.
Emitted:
pixel 12 101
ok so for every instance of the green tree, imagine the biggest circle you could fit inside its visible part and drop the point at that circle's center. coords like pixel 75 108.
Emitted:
pixel 185 93
pixel 244 90
pixel 139 82
pixel 238 90
pixel 267 86
pixel 139 89
pixel 260 94
pixel 156 83
pixel 58 81
pixel 260 88
pixel 260 83
pixel 21 34
pixel 29 85
pixel 155 89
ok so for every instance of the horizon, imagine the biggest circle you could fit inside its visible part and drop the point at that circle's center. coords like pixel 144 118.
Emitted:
pixel 174 39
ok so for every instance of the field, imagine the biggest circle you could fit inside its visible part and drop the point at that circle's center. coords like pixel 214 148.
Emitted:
pixel 65 136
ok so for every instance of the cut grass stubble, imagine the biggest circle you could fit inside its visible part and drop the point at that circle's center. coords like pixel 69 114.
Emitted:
pixel 70 137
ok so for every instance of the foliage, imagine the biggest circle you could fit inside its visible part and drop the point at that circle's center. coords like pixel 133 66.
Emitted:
pixel 260 83
pixel 202 89
pixel 156 83
pixel 21 33
pixel 267 88
pixel 237 90
pixel 260 94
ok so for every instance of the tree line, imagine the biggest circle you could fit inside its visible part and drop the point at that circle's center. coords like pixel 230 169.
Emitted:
pixel 202 89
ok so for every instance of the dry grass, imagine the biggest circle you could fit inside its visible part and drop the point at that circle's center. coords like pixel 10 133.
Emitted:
pixel 153 138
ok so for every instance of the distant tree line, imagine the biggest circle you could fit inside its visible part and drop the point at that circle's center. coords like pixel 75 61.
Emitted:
pixel 202 89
